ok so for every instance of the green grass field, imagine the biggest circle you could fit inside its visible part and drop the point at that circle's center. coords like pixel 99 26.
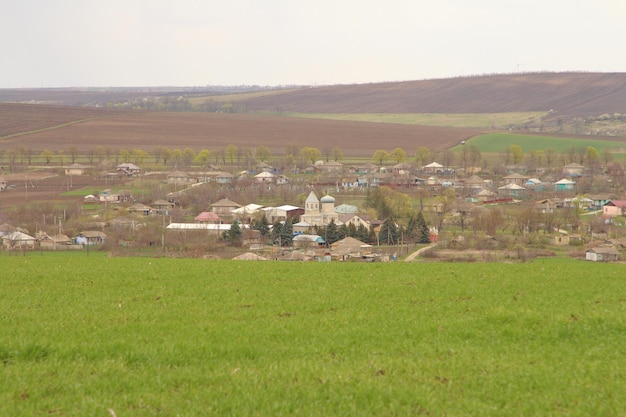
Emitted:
pixel 81 334
pixel 82 192
pixel 498 142
pixel 470 120
pixel 226 98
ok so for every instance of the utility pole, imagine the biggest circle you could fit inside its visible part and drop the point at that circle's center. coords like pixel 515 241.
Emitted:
pixel 163 235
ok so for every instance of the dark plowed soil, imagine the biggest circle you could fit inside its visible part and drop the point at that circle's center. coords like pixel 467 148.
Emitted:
pixel 215 131
pixel 568 94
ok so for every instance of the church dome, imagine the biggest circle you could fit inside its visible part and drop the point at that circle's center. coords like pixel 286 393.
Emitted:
pixel 327 199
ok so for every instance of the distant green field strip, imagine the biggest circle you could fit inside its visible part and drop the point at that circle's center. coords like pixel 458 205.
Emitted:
pixel 235 97
pixel 497 142
pixel 473 120
pixel 81 192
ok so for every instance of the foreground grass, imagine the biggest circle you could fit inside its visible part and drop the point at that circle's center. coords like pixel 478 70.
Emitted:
pixel 82 334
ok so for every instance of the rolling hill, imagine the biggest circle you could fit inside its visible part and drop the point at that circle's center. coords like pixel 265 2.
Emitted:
pixel 567 94
pixel 55 127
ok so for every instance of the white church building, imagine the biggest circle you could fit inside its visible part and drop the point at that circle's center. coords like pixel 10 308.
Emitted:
pixel 318 212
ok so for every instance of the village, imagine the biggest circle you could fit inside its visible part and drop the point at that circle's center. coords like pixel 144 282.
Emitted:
pixel 558 205
pixel 348 208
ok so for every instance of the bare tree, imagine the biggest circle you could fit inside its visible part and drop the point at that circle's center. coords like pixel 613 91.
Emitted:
pixel 73 151
pixel 157 151
pixel 327 152
pixel 11 156
pixel 447 158
pixel 47 155
pixel 337 154
pixel 550 154
pixel 230 153
pixel 474 155
pixel 422 155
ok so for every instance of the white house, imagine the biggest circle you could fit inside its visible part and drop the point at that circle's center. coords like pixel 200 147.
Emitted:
pixel 573 170
pixel 180 178
pixel 128 169
pixel 90 237
pixel 355 220
pixel 19 240
pixel 303 240
pixel 75 169
pixel 564 185
pixel 264 177
pixel 602 253
pixel 511 190
pixel 433 168
pixel 282 213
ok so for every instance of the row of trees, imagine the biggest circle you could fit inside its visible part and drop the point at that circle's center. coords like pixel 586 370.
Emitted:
pixel 584 155
pixel 231 154
pixel 424 155
pixel 469 155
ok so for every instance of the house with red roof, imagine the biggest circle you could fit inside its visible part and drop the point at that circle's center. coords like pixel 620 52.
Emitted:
pixel 614 208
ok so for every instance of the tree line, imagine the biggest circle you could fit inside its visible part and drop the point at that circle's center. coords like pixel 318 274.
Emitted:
pixel 467 156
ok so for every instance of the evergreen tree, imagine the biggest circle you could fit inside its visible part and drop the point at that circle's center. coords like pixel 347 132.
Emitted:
pixel 411 227
pixel 262 225
pixel 234 236
pixel 352 230
pixel 286 237
pixel 331 233
pixel 282 233
pixel 423 232
pixel 388 232
pixel 343 232
pixel 363 234
pixel 371 238
pixel 276 234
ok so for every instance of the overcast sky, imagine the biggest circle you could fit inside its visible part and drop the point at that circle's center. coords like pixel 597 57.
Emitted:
pixel 62 43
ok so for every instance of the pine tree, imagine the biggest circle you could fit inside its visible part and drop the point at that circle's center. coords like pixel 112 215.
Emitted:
pixel 362 233
pixel 262 225
pixel 371 237
pixel 423 232
pixel 388 232
pixel 331 233
pixel 234 236
pixel 343 232
pixel 286 237
pixel 411 227
pixel 276 234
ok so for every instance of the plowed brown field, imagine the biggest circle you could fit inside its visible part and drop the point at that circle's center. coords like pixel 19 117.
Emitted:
pixel 215 131
pixel 17 118
pixel 567 94
pixel 47 186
